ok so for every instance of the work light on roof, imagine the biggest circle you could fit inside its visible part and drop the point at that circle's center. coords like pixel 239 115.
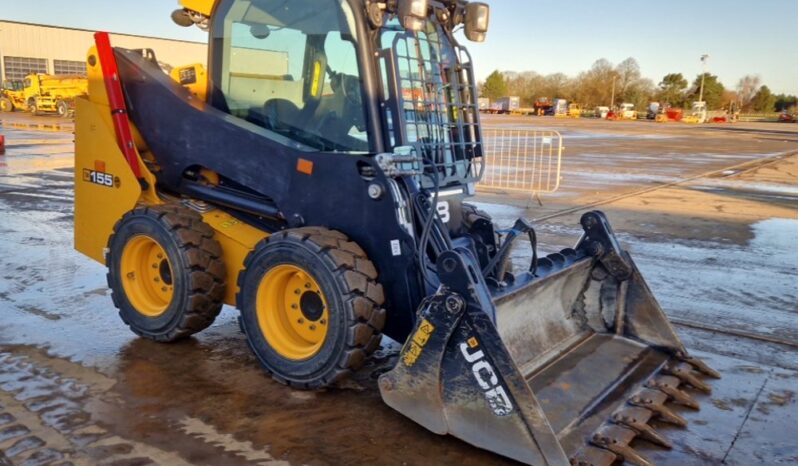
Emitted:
pixel 413 14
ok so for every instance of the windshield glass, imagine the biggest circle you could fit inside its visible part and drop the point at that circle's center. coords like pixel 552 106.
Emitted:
pixel 12 85
pixel 289 68
pixel 432 107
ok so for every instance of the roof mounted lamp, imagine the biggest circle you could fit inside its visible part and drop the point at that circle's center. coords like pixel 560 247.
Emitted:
pixel 477 20
pixel 413 14
pixel 186 18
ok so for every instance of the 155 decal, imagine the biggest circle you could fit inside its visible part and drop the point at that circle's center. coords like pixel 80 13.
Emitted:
pixel 100 178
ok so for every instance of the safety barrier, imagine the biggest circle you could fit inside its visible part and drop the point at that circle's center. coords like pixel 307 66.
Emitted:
pixel 527 161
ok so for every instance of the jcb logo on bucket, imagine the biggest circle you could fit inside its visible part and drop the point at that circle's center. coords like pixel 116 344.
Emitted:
pixel 486 377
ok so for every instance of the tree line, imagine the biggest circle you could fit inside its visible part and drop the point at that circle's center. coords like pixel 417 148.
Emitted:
pixel 594 87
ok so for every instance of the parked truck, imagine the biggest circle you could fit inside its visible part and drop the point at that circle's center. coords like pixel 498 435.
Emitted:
pixel 654 109
pixel 43 93
pixel 542 106
pixel 507 105
pixel 625 111
pixel 700 114
pixel 484 104
pixel 601 112
pixel 559 108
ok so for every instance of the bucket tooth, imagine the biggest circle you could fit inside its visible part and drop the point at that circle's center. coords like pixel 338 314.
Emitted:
pixel 637 419
pixel 685 373
pixel 700 366
pixel 654 400
pixel 670 386
pixel 617 439
pixel 594 456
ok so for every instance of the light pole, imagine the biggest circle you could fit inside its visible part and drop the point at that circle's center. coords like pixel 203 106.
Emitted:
pixel 704 59
pixel 612 102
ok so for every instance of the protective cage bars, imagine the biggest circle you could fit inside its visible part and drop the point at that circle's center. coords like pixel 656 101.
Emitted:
pixel 433 106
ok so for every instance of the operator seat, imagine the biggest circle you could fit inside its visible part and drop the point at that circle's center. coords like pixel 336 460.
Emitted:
pixel 280 115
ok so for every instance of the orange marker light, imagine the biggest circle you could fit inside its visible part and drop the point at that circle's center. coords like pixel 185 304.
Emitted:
pixel 304 166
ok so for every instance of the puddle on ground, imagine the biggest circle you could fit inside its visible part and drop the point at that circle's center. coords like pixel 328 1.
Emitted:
pixel 721 184
pixel 776 238
pixel 700 280
pixel 750 287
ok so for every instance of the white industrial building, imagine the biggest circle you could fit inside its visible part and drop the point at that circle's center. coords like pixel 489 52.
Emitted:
pixel 27 48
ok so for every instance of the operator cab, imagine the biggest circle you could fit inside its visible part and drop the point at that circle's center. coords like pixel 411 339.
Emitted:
pixel 295 68
pixel 13 85
pixel 292 70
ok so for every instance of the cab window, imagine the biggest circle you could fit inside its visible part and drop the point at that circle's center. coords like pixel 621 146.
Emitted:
pixel 287 68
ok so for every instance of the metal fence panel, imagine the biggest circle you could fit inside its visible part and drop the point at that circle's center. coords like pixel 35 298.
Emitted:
pixel 526 161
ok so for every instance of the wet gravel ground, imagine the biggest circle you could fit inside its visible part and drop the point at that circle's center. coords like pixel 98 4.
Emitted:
pixel 77 388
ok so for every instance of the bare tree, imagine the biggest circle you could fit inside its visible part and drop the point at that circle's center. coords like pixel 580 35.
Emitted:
pixel 594 87
pixel 747 88
pixel 632 87
pixel 628 74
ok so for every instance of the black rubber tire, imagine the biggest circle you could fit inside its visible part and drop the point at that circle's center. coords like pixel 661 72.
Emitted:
pixel 6 105
pixel 348 280
pixel 62 109
pixel 199 272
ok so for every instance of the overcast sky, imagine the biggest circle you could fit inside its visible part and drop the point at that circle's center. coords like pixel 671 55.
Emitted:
pixel 547 36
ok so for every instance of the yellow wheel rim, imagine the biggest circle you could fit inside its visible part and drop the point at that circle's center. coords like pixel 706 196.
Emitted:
pixel 147 276
pixel 292 312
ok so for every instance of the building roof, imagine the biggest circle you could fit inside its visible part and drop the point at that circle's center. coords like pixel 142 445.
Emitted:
pixel 93 31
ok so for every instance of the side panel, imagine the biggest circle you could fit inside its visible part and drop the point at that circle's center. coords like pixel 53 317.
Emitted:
pixel 105 188
pixel 237 239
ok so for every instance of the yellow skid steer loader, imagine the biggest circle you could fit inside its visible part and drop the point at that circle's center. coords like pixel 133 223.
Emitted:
pixel 319 187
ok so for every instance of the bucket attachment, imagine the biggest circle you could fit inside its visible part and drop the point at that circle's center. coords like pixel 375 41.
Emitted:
pixel 567 366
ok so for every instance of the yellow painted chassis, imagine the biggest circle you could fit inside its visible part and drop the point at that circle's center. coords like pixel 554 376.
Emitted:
pixel 106 188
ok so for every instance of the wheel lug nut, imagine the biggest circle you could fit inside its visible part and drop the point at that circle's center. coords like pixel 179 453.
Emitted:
pixel 313 327
pixel 301 321
pixel 297 291
pixel 294 306
pixel 160 256
pixel 157 279
pixel 164 289
pixel 154 266
pixel 323 322
pixel 307 285
pixel 131 275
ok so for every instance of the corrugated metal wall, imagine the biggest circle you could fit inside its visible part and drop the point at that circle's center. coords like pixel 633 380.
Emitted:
pixel 54 43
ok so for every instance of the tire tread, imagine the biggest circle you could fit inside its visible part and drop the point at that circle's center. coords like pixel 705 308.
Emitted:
pixel 364 299
pixel 205 270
